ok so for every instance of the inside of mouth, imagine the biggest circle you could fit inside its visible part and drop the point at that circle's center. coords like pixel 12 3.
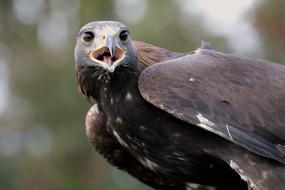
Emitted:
pixel 104 55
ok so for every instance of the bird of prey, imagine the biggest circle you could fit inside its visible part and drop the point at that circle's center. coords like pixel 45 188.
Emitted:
pixel 175 120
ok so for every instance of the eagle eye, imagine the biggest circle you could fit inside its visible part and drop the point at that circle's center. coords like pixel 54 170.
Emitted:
pixel 124 35
pixel 88 36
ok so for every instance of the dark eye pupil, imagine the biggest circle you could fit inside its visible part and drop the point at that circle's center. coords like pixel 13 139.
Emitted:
pixel 124 35
pixel 88 36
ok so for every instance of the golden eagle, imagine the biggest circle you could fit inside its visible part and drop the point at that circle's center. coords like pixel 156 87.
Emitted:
pixel 173 119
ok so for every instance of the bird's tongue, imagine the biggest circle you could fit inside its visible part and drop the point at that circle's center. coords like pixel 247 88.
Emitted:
pixel 107 59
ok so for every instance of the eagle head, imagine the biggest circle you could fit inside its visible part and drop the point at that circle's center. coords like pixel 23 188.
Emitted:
pixel 104 50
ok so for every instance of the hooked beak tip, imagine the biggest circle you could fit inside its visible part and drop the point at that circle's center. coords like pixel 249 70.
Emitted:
pixel 111 45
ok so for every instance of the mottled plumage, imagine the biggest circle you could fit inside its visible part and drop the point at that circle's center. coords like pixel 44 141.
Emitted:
pixel 174 119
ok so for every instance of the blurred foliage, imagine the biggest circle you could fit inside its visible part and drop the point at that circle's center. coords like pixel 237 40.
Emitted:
pixel 45 109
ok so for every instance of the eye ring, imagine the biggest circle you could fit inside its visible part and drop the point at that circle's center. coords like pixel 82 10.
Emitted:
pixel 124 35
pixel 88 36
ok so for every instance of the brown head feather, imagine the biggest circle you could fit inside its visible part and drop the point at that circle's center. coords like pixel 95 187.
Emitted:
pixel 149 54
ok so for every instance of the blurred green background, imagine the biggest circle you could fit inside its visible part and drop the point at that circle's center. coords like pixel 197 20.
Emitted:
pixel 42 139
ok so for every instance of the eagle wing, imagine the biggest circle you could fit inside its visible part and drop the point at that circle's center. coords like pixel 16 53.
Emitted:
pixel 238 98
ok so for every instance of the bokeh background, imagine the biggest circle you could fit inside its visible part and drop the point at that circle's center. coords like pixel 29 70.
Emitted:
pixel 42 140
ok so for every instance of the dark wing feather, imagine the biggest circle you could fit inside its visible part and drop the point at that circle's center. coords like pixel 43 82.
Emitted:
pixel 239 98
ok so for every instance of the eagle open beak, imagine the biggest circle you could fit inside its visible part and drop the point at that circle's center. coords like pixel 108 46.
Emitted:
pixel 109 56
